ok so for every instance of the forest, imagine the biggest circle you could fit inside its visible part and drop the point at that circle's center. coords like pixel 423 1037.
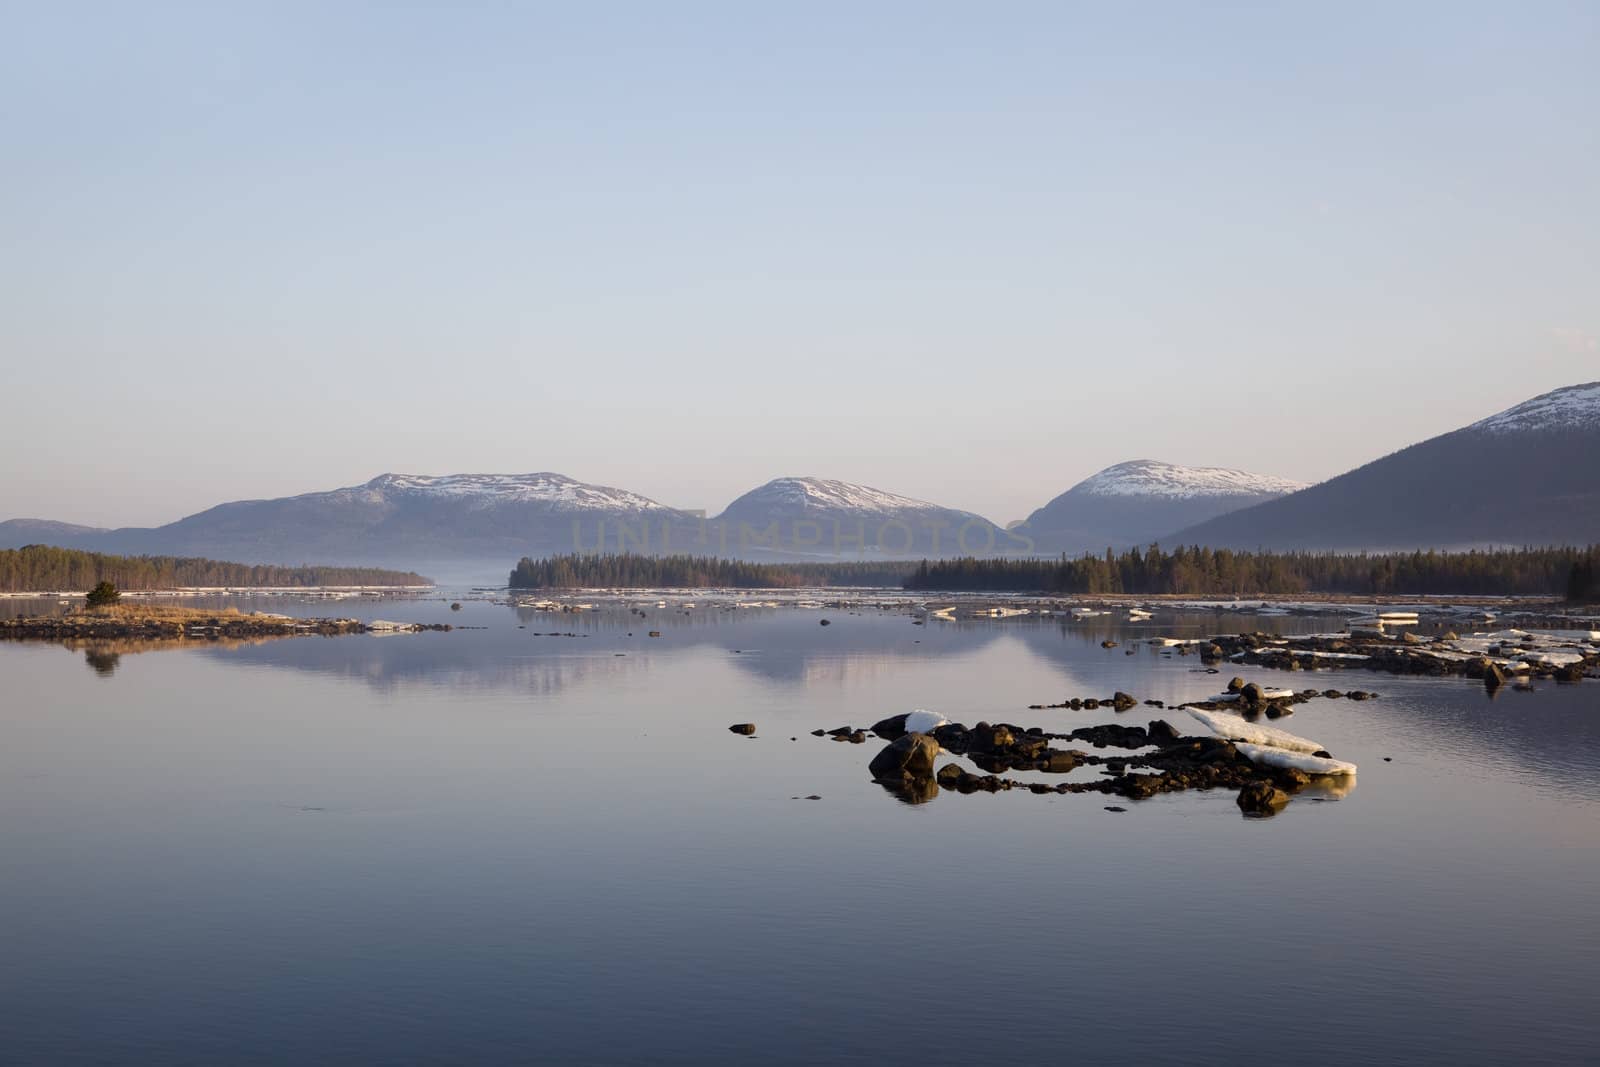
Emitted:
pixel 1194 571
pixel 1205 571
pixel 627 571
pixel 43 568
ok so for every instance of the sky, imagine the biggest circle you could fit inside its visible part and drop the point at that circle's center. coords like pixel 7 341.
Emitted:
pixel 967 252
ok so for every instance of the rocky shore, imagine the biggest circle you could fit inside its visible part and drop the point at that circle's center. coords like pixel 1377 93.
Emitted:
pixel 186 624
pixel 1496 657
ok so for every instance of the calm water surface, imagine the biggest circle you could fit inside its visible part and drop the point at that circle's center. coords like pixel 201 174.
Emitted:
pixel 489 845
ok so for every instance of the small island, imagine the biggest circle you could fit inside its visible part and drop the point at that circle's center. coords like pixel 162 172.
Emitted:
pixel 174 623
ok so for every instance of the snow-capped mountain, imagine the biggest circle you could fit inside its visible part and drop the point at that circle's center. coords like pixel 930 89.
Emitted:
pixel 806 517
pixel 488 490
pixel 1141 501
pixel 1574 407
pixel 1148 477
pixel 1527 475
pixel 402 519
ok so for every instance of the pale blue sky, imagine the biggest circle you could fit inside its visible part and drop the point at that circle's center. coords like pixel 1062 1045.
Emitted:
pixel 970 252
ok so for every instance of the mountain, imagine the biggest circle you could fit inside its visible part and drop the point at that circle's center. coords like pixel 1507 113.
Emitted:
pixel 1529 475
pixel 15 533
pixel 1138 502
pixel 808 517
pixel 397 519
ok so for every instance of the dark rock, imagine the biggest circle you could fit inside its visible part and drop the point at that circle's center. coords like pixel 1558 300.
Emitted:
pixel 1235 685
pixel 1161 732
pixel 1122 701
pixel 1259 798
pixel 890 728
pixel 1251 695
pixel 1493 676
pixel 989 738
pixel 456 606
pixel 1108 644
pixel 1114 807
pixel 745 728
pixel 910 756
pixel 1058 762
pixel 824 622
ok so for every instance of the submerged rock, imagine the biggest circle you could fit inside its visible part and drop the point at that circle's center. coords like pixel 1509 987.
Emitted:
pixel 1259 798
pixel 746 728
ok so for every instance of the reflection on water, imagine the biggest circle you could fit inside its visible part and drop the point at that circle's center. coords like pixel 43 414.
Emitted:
pixel 489 846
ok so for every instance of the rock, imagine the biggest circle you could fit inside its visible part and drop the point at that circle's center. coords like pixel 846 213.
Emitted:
pixel 456 606
pixel 1412 639
pixel 1332 694
pixel 824 622
pixel 1059 762
pixel 990 738
pixel 1161 732
pixel 1122 701
pixel 1357 694
pixel 910 756
pixel 1114 807
pixel 1259 798
pixel 892 727
pixel 1573 672
pixel 1235 685
pixel 746 728
pixel 655 633
pixel 819 733
pixel 1251 696
pixel 1108 644
pixel 1493 676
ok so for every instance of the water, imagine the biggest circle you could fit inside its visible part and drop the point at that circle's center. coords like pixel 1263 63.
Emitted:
pixel 493 846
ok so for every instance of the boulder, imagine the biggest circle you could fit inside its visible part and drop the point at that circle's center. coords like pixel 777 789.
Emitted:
pixel 1122 701
pixel 910 756
pixel 1259 798
pixel 1493 676
pixel 1236 685
pixel 989 738
pixel 892 727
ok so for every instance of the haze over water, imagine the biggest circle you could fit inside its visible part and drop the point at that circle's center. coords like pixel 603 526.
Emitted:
pixel 492 845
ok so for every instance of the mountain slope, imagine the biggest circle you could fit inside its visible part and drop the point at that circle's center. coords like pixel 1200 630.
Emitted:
pixel 400 519
pixel 806 517
pixel 1137 502
pixel 1528 475
pixel 15 533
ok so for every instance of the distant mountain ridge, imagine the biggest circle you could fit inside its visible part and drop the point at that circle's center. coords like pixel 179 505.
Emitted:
pixel 394 519
pixel 1528 475
pixel 1140 501
pixel 800 517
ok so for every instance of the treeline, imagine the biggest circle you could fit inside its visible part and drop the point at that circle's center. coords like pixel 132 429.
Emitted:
pixel 1205 571
pixel 41 568
pixel 1583 584
pixel 629 571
